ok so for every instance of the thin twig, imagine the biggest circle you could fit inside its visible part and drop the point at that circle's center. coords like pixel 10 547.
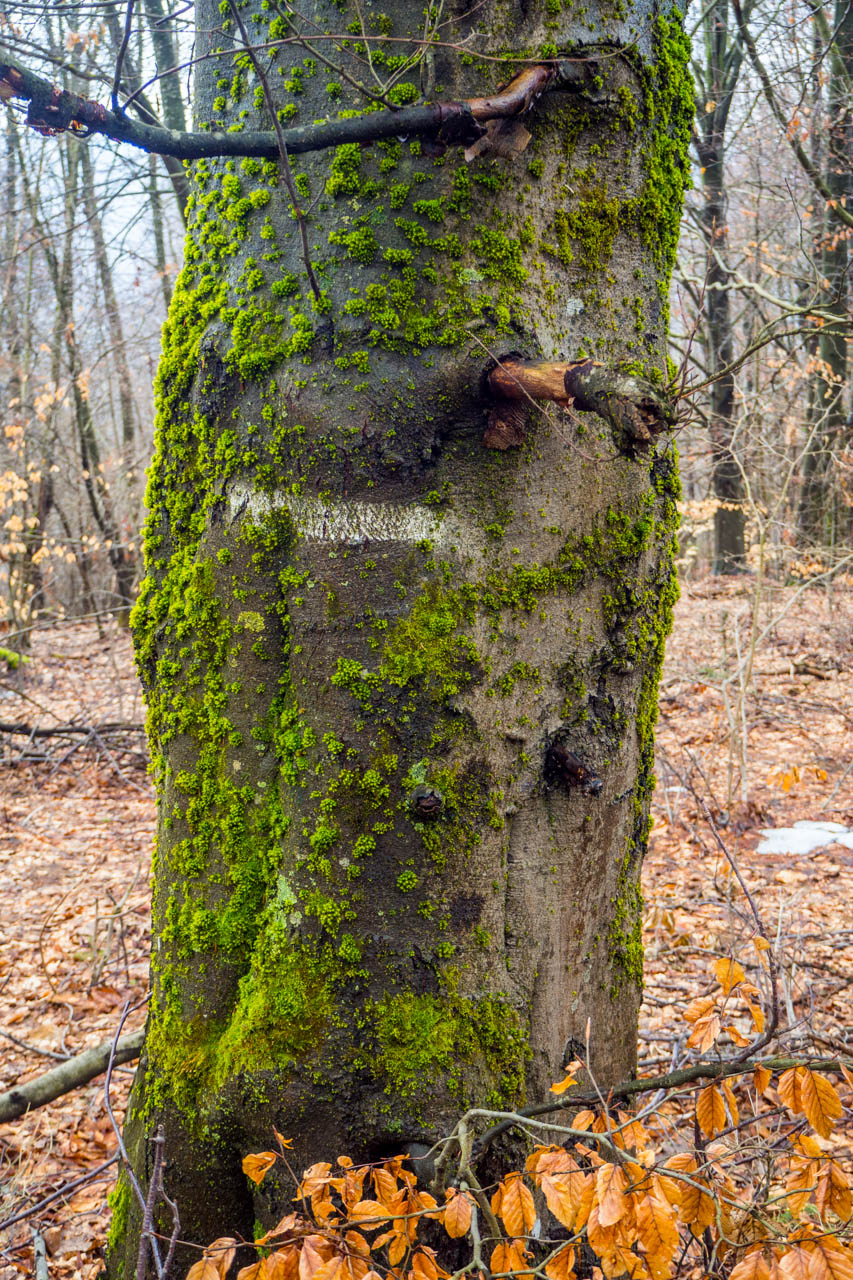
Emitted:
pixel 57 1195
pixel 125 41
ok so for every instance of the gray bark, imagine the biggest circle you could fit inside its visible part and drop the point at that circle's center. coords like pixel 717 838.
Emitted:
pixel 370 642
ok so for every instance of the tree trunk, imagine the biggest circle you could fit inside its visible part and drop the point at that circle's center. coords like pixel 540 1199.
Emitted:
pixel 721 70
pixel 371 644
pixel 819 494
pixel 111 308
pixel 156 210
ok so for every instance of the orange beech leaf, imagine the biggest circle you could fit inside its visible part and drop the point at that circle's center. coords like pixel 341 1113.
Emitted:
pixel 610 1184
pixel 256 1166
pixel 255 1271
pixel 366 1210
pixel 546 1160
pixel 353 1185
pixel 562 1265
pixel 710 1110
pixel 848 1074
pixel 789 1090
pixel 509 1256
pixel 807 1146
pixel 658 1234
pixel 830 1260
pixel 732 1102
pixel 696 1207
pixel 671 1189
pixel 456 1216
pixel 833 1192
pixel 204 1269
pixel 289 1223
pixel 385 1185
pixel 760 943
pixel 583 1119
pixel 569 1078
pixel 315 1252
pixel 281 1140
pixel 761 1078
pixel 757 1015
pixel 602 1240
pixel 628 1264
pixel 215 1260
pixel 283 1264
pixel 359 1252
pixel 324 1209
pixel 514 1204
pixel 821 1102
pixel 728 973
pixel 422 1200
pixel 794 1265
pixel 337 1268
pixel 799 1186
pixel 314 1178
pixel 752 1267
pixel 698 1008
pixel 425 1266
pixel 397 1248
pixel 563 1194
pixel 705 1032
pixel 586 1202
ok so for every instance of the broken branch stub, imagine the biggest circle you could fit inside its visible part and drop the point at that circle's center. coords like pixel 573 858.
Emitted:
pixel 634 408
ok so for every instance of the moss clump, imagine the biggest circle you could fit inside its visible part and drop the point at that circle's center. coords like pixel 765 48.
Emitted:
pixel 588 232
pixel 119 1201
pixel 424 1040
pixel 12 658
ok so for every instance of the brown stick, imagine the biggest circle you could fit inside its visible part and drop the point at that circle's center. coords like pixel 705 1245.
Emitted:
pixel 69 1075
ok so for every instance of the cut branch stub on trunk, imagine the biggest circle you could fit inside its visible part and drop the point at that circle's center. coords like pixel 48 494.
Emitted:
pixel 634 408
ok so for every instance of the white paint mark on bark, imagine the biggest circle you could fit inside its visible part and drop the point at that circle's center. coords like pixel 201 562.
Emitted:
pixel 351 523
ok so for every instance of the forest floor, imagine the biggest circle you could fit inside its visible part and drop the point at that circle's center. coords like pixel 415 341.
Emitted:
pixel 739 750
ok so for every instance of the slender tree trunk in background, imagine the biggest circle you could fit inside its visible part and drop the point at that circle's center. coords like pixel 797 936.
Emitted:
pixel 17 309
pixel 61 275
pixel 111 307
pixel 156 207
pixel 166 56
pixel 819 522
pixel 723 57
pixel 369 641
pixel 132 83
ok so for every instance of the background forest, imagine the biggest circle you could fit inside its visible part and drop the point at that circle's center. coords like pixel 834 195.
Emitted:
pixel 92 242
pixel 755 698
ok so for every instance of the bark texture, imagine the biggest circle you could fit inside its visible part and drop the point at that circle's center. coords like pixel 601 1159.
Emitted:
pixel 364 635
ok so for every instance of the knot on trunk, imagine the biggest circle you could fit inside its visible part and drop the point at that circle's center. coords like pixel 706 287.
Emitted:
pixel 563 768
pixel 426 803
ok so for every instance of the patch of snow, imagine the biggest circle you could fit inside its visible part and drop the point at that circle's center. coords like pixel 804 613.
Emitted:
pixel 805 836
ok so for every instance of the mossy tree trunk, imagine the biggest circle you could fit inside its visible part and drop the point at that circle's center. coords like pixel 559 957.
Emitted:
pixel 362 630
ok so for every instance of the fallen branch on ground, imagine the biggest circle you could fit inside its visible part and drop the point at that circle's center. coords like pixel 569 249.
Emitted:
pixel 68 730
pixel 69 1075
